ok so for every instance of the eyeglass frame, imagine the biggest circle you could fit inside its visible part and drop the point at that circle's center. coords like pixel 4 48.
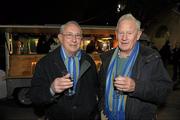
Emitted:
pixel 71 35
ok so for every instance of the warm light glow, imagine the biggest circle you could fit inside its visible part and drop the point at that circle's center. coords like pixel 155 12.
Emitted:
pixel 33 65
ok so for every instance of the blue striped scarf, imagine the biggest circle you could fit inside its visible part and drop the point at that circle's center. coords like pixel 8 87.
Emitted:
pixel 115 108
pixel 72 64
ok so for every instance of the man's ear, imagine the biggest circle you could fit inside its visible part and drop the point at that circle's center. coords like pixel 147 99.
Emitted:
pixel 60 37
pixel 139 34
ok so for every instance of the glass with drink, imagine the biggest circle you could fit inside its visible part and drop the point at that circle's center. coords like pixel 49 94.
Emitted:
pixel 69 91
pixel 117 92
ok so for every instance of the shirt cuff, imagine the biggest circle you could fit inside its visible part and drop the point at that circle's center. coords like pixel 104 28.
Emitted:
pixel 52 92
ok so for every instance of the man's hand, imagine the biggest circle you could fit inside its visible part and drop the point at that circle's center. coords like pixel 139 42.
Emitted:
pixel 125 84
pixel 61 83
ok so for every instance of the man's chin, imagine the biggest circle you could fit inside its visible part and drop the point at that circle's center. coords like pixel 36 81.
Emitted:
pixel 123 48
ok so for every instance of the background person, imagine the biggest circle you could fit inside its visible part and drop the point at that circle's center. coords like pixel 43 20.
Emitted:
pixel 43 45
pixel 176 64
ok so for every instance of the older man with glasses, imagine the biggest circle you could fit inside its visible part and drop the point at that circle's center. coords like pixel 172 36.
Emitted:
pixel 65 81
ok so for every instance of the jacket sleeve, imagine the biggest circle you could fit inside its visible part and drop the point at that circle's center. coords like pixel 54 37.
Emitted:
pixel 40 87
pixel 154 83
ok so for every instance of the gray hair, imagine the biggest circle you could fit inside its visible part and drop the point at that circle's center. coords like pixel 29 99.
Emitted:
pixel 68 23
pixel 129 17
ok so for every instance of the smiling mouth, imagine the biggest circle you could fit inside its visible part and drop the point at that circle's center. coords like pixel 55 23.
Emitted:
pixel 126 42
pixel 73 45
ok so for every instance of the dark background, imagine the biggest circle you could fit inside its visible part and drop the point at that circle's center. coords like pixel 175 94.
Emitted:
pixel 86 12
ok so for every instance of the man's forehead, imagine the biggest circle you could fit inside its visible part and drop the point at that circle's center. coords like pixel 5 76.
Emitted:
pixel 70 26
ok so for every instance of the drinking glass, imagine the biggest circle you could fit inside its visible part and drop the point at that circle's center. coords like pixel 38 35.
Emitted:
pixel 117 92
pixel 69 91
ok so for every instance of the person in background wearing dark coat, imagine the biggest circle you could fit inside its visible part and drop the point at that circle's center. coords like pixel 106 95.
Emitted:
pixel 134 81
pixel 176 64
pixel 91 47
pixel 65 81
pixel 165 53
pixel 43 45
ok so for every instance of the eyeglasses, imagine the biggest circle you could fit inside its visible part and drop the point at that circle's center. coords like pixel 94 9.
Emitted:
pixel 71 35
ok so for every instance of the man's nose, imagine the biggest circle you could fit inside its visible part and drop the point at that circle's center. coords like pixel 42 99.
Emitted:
pixel 124 37
pixel 74 38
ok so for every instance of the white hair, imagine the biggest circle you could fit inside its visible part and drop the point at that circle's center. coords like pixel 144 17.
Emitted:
pixel 66 24
pixel 129 17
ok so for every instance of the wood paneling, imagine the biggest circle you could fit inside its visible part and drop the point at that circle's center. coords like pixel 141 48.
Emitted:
pixel 22 65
